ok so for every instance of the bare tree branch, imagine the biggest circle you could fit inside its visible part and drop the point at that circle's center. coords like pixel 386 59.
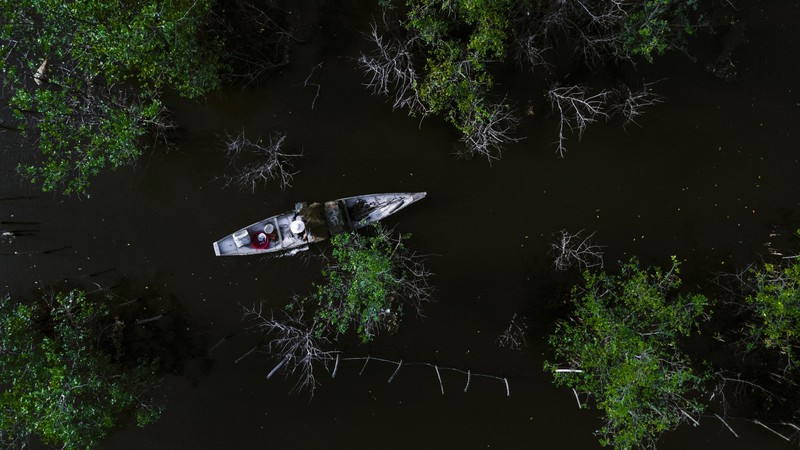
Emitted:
pixel 263 163
pixel 391 72
pixel 530 51
pixel 491 133
pixel 630 104
pixel 308 82
pixel 296 344
pixel 513 336
pixel 570 249
pixel 576 108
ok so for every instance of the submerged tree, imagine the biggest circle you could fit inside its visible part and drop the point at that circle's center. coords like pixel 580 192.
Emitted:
pixel 762 329
pixel 571 249
pixel 260 162
pixel 296 343
pixel 621 348
pixel 576 109
pixel 368 282
pixel 64 377
pixel 441 58
pixel 438 65
pixel 773 306
pixel 83 79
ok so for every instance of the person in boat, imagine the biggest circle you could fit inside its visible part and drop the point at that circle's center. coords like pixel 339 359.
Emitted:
pixel 298 228
pixel 314 222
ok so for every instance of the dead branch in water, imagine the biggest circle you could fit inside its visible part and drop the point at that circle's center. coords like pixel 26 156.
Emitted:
pixel 630 103
pixel 437 370
pixel 490 134
pixel 572 248
pixel 262 162
pixel 576 108
pixel 757 422
pixel 294 342
pixel 391 71
pixel 308 83
pixel 726 424
pixel 513 336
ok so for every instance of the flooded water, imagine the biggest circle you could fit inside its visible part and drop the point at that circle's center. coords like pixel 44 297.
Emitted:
pixel 709 176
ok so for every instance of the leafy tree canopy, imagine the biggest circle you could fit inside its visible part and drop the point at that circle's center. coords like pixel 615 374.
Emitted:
pixel 440 63
pixel 657 26
pixel 775 308
pixel 62 378
pixel 460 38
pixel 621 347
pixel 69 69
pixel 367 282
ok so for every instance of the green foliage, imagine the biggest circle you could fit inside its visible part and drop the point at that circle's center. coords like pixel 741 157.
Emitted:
pixel 621 347
pixel 461 37
pixel 61 376
pixel 442 62
pixel 74 149
pixel 658 26
pixel 775 305
pixel 361 283
pixel 82 110
pixel 483 24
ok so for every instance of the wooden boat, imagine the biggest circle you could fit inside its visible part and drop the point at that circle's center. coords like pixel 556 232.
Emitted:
pixel 293 231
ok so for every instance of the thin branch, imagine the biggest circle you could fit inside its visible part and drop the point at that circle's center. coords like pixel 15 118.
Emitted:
pixel 295 342
pixel 630 104
pixel 757 422
pixel 490 133
pixel 513 336
pixel 576 108
pixel 572 248
pixel 391 72
pixel 307 83
pixel 263 162
pixel 726 424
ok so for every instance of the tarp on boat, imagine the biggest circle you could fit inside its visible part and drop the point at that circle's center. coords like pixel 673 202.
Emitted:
pixel 335 215
pixel 314 218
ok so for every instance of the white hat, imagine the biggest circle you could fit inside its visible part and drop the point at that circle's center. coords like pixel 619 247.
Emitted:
pixel 297 226
pixel 269 228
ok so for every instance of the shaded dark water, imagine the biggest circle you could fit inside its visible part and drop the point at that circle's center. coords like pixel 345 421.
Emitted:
pixel 709 175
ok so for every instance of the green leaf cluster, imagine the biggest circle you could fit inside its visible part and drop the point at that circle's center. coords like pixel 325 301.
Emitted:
pixel 76 140
pixel 460 37
pixel 659 25
pixel 104 65
pixel 361 283
pixel 621 347
pixel 61 375
pixel 775 305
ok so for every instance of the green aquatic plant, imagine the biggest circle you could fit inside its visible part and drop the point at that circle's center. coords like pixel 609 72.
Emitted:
pixel 83 78
pixel 774 307
pixel 368 281
pixel 621 347
pixel 63 375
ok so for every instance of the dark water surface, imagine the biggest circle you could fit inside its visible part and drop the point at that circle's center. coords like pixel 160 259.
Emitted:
pixel 709 175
